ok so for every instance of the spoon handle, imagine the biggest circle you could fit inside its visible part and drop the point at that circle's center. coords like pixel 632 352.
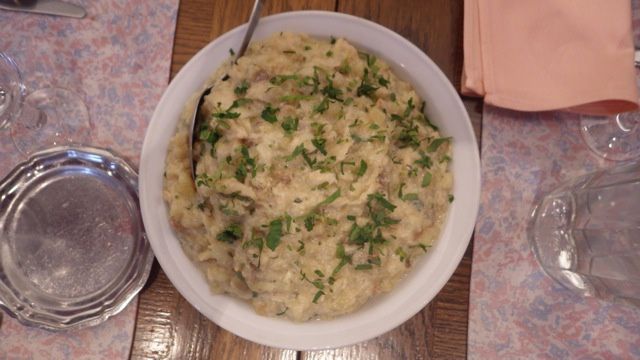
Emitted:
pixel 253 21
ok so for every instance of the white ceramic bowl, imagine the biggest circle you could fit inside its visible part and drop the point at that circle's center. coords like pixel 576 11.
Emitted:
pixel 428 276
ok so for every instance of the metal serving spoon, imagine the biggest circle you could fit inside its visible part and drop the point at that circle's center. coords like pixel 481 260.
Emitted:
pixel 195 123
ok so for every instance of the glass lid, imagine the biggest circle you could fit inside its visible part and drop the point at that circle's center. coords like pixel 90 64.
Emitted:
pixel 73 250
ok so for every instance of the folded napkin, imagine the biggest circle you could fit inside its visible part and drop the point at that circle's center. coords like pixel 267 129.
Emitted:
pixel 536 55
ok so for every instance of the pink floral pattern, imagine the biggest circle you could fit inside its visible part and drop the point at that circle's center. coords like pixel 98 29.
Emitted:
pixel 516 311
pixel 117 59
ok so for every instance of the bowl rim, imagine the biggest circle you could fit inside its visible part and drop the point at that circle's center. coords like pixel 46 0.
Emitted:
pixel 301 338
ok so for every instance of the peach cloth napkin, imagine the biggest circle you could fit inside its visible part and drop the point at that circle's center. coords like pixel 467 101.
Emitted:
pixel 536 55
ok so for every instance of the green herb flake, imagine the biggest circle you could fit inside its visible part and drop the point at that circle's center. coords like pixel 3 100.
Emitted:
pixel 329 53
pixel 295 97
pixel 409 108
pixel 383 82
pixel 280 79
pixel 204 180
pixel 450 198
pixel 322 106
pixel 332 92
pixel 344 67
pixel 269 114
pixel 426 179
pixel 297 151
pixel 274 235
pixel 229 235
pixel 378 197
pixel 319 273
pixel 362 169
pixel 310 221
pixel 290 124
pixel 363 267
pixel 401 253
pixel 366 89
pixel 332 40
pixel 435 143
pixel 424 161
pixel 331 198
pixel 242 88
pixel 317 296
pixel 319 143
pixel 410 197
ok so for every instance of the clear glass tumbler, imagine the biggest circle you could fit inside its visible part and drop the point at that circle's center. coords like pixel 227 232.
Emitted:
pixel 586 234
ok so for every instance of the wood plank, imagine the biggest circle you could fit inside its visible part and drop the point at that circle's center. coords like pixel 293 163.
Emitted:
pixel 435 26
pixel 440 329
pixel 235 13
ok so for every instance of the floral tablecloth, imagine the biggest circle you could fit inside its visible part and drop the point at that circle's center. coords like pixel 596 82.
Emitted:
pixel 118 59
pixel 516 311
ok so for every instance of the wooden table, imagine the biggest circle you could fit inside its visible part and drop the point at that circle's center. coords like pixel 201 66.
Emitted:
pixel 168 327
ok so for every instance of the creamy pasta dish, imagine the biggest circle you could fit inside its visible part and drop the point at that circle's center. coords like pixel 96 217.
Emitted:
pixel 320 181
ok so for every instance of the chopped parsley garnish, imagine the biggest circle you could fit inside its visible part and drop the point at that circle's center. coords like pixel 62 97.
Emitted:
pixel 290 124
pixel 309 160
pixel 362 169
pixel 450 198
pixel 408 137
pixel 319 143
pixel 229 235
pixel 344 67
pixel 426 180
pixel 344 260
pixel 274 235
pixel 383 82
pixel 329 53
pixel 401 253
pixel 322 106
pixel 288 52
pixel 424 161
pixel 228 114
pixel 310 221
pixel 381 200
pixel 410 197
pixel 209 135
pixel 256 242
pixel 246 165
pixel 363 267
pixel 269 114
pixel 332 40
pixel 332 92
pixel 435 144
pixel 295 97
pixel 204 180
pixel 297 151
pixel 319 273
pixel 366 89
pixel 331 198
pixel 242 88
pixel 317 296
pixel 280 79
pixel 409 108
